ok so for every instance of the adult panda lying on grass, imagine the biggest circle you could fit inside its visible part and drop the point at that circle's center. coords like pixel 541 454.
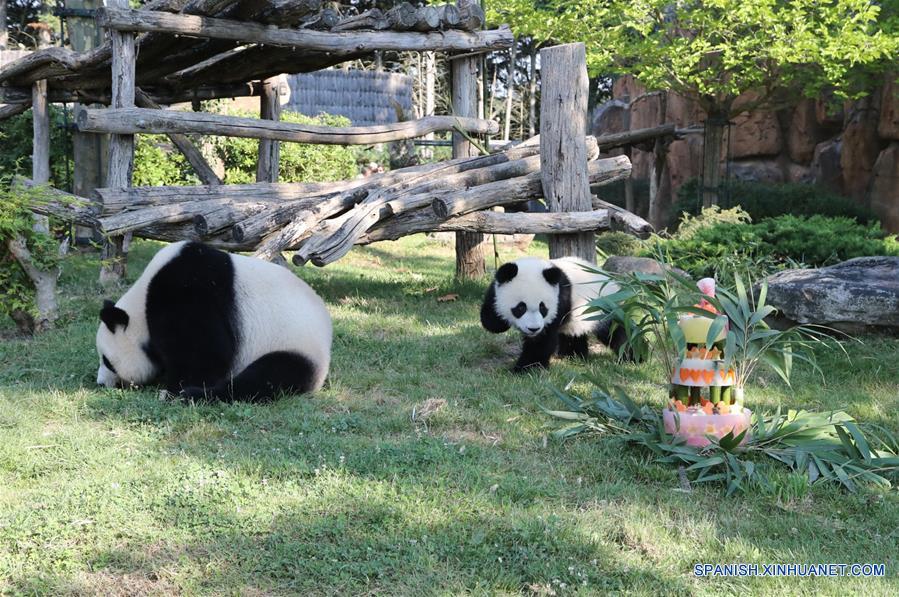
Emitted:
pixel 545 300
pixel 208 324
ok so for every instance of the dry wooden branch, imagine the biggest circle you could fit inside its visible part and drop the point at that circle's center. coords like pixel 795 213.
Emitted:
pixel 129 221
pixel 488 222
pixel 635 137
pixel 214 28
pixel 69 208
pixel 624 220
pixel 287 12
pixel 11 110
pixel 326 20
pixel 372 19
pixel 142 120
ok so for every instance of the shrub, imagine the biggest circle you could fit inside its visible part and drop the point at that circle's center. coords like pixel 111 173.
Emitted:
pixel 768 200
pixel 776 243
pixel 619 243
pixel 157 162
pixel 299 162
pixel 17 137
pixel 16 220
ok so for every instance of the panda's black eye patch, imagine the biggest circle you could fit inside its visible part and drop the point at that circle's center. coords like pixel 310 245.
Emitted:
pixel 519 310
pixel 108 365
pixel 543 310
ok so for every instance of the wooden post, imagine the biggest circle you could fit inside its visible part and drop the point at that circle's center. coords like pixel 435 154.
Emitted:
pixel 269 150
pixel 4 34
pixel 89 149
pixel 469 245
pixel 114 257
pixel 563 150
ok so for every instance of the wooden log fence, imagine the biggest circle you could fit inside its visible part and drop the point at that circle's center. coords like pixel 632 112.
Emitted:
pixel 118 19
pixel 129 121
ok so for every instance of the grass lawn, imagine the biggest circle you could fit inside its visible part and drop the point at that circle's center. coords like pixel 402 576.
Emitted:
pixel 423 467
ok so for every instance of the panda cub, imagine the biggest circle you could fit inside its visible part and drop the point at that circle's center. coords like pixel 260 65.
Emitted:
pixel 208 324
pixel 545 300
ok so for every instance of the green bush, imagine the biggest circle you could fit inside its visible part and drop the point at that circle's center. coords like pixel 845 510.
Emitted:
pixel 776 243
pixel 17 136
pixel 299 162
pixel 157 162
pixel 619 243
pixel 16 221
pixel 768 200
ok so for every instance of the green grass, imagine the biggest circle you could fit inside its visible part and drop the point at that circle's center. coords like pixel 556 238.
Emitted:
pixel 344 492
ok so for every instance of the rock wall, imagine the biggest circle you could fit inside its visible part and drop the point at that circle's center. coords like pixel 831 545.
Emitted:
pixel 851 149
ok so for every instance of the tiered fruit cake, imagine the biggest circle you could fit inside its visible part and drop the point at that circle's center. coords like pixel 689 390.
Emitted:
pixel 703 401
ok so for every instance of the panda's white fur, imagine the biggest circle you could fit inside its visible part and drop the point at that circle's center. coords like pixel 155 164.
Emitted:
pixel 550 297
pixel 271 311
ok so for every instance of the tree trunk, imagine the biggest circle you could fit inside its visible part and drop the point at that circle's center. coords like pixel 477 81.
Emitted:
pixel 44 284
pixel 510 91
pixel 4 34
pixel 269 150
pixel 114 255
pixel 563 127
pixel 532 91
pixel 470 262
pixel 711 157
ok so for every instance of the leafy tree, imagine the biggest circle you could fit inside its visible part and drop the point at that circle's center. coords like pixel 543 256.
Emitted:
pixel 730 56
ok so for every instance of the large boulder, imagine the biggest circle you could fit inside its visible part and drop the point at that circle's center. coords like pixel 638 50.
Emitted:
pixel 757 171
pixel 623 264
pixel 853 296
pixel 885 188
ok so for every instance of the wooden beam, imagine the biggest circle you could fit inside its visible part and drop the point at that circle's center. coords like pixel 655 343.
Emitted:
pixel 128 121
pixel 563 125
pixel 470 263
pixel 190 151
pixel 323 41
pixel 489 222
pixel 637 137
pixel 121 146
pixel 163 96
pixel 11 110
pixel 269 150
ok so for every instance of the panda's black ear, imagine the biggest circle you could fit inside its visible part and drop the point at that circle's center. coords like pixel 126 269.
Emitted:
pixel 553 275
pixel 112 316
pixel 506 272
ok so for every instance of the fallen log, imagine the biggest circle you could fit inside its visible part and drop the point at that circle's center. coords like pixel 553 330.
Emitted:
pixel 129 221
pixel 402 17
pixel 599 172
pixel 373 19
pixel 129 121
pixel 305 39
pixel 488 222
pixel 65 206
pixel 471 15
pixel 333 238
pixel 449 16
pixel 427 18
pixel 624 220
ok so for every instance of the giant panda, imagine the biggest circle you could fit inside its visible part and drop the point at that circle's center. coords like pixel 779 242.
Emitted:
pixel 545 300
pixel 208 324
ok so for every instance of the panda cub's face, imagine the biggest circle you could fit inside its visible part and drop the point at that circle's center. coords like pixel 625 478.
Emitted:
pixel 122 358
pixel 527 294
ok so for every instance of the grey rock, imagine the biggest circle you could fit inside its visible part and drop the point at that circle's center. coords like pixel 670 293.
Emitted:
pixel 852 296
pixel 620 264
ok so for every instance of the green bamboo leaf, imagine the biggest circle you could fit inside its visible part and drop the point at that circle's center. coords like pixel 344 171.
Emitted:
pixel 763 294
pixel 860 442
pixel 706 463
pixel 714 330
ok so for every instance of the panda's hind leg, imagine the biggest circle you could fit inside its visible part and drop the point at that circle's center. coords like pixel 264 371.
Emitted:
pixel 265 378
pixel 574 346
pixel 616 339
